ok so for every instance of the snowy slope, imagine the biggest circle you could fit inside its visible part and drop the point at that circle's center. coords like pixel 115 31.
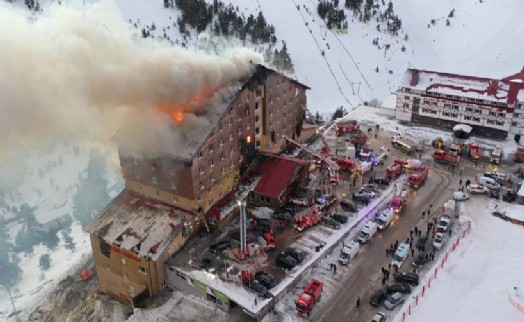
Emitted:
pixel 479 276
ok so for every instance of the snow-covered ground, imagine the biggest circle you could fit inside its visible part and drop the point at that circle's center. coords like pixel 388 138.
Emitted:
pixel 480 274
pixel 49 185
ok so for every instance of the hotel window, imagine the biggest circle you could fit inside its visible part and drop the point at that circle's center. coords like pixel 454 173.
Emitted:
pixel 108 267
pixel 172 170
pixel 221 141
pixel 502 114
pixel 136 174
pixel 220 126
pixel 467 118
pixel 200 154
pixel 142 269
pixel 406 97
pixel 406 105
pixel 285 103
pixel 257 130
pixel 513 123
pixel 154 180
pixel 139 187
pixel 476 119
pixel 456 107
pixel 425 102
pixel 447 105
pixel 212 163
pixel 446 114
pixel 230 122
pixel 258 144
pixel 175 199
pixel 469 109
pixel 478 111
pixel 454 115
pixel 490 121
pixel 257 119
pixel 201 169
pixel 256 106
pixel 202 185
pixel 434 103
pixel 231 150
pixel 222 155
pixel 125 274
pixel 239 131
pixel 230 136
pixel 123 261
pixel 491 113
pixel 499 123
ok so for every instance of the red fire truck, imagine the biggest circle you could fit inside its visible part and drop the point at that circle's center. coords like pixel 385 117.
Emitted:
pixel 311 295
pixel 474 151
pixel 442 156
pixel 419 176
pixel 399 200
pixel 394 170
pixel 347 127
pixel 308 218
pixel 345 164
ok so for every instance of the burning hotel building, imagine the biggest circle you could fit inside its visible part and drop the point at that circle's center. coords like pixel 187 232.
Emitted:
pixel 168 191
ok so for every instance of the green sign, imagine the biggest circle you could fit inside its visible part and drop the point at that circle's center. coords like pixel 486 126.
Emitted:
pixel 220 296
pixel 201 286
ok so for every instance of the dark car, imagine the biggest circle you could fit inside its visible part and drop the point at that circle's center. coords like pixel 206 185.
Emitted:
pixel 382 181
pixel 510 196
pixel 220 246
pixel 285 261
pixel 398 287
pixel 281 215
pixel 348 205
pixel 207 264
pixel 500 215
pixel 236 236
pixel 264 224
pixel 290 209
pixel 377 298
pixel 265 279
pixel 422 240
pixel 343 219
pixel 295 253
pixel 330 222
pixel 257 288
pixel 420 260
pixel 493 193
pixel 361 198
pixel 406 277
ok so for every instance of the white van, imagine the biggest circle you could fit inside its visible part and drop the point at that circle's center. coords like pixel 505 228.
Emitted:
pixel 367 232
pixel 384 219
pixel 489 182
pixel 450 204
pixel 400 255
pixel 348 252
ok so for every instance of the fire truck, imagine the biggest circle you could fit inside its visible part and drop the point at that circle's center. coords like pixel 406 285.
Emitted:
pixel 519 154
pixel 308 218
pixel 442 156
pixel 347 127
pixel 456 149
pixel 418 178
pixel 474 151
pixel 395 170
pixel 345 164
pixel 358 139
pixel 399 200
pixel 311 295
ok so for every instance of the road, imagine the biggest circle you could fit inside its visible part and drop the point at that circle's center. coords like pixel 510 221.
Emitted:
pixel 365 275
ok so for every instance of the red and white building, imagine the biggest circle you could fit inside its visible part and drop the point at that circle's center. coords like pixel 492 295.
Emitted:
pixel 493 107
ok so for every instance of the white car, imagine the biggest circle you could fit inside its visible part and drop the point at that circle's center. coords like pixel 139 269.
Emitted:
pixel 460 196
pixel 438 241
pixel 299 201
pixel 477 188
pixel 379 317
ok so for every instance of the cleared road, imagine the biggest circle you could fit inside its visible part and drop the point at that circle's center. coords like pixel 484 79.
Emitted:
pixel 366 276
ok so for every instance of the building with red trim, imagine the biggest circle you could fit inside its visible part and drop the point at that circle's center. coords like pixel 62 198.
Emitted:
pixel 492 107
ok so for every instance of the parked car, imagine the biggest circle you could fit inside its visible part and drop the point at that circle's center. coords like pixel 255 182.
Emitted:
pixel 348 206
pixel 207 265
pixel 280 215
pixel 422 240
pixel 361 198
pixel 285 261
pixel 343 219
pixel 460 196
pixel 420 260
pixel 394 300
pixel 220 246
pixel 257 288
pixel 477 188
pixel 379 317
pixel 291 209
pixel 371 187
pixel 299 201
pixel 298 255
pixel 500 215
pixel 438 241
pixel 495 194
pixel 330 222
pixel 365 193
pixel 509 196
pixel 398 287
pixel 407 277
pixel 499 177
pixel 382 181
pixel 265 279
pixel 377 298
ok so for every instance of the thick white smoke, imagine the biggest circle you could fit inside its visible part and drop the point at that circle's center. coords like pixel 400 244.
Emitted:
pixel 76 72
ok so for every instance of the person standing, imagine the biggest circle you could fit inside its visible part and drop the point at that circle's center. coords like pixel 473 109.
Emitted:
pixel 358 302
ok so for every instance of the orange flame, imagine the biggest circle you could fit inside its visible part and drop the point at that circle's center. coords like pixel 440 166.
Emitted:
pixel 176 113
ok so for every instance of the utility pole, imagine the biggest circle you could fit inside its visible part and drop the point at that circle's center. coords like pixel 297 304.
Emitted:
pixel 243 237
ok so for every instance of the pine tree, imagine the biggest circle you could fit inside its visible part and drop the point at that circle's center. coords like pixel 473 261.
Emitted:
pixel 339 112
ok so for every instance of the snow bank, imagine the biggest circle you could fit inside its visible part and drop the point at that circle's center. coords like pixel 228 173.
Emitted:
pixel 515 212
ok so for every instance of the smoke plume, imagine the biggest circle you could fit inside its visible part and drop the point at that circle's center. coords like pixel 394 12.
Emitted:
pixel 78 72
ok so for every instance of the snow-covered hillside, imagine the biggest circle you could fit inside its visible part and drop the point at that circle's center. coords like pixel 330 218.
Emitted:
pixel 480 40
